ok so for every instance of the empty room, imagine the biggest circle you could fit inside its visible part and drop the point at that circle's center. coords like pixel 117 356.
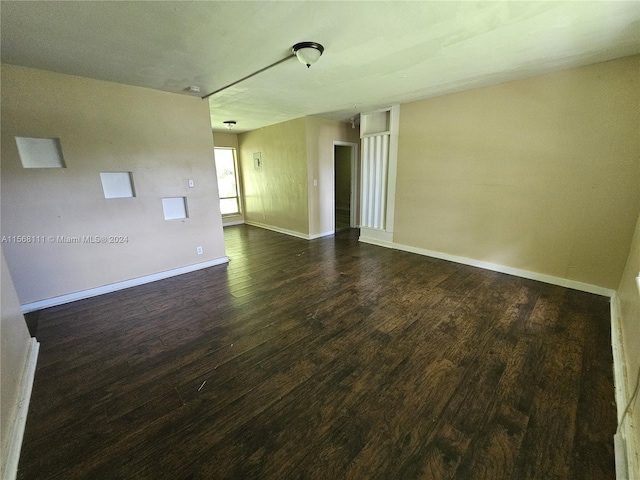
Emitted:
pixel 320 240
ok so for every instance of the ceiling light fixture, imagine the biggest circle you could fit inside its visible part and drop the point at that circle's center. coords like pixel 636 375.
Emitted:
pixel 307 52
pixel 230 124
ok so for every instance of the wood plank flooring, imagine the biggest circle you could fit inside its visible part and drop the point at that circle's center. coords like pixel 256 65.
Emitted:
pixel 343 219
pixel 327 359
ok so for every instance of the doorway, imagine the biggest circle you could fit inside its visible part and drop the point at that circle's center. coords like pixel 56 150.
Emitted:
pixel 345 185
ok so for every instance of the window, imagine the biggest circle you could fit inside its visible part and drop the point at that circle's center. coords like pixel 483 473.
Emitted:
pixel 227 180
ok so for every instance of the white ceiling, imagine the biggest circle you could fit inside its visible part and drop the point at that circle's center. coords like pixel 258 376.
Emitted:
pixel 376 53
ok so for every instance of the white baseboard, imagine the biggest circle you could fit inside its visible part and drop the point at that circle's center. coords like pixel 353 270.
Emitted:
pixel 541 277
pixel 627 462
pixel 232 222
pixel 320 235
pixel 304 236
pixel 378 237
pixel 277 229
pixel 113 287
pixel 14 443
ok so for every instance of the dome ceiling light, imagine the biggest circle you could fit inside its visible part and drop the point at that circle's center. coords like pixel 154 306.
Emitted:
pixel 307 53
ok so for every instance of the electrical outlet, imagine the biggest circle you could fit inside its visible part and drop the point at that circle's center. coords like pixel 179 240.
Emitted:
pixel 199 250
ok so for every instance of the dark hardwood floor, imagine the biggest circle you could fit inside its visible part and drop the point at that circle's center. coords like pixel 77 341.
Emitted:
pixel 342 219
pixel 324 359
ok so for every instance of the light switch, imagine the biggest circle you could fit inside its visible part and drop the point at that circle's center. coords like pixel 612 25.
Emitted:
pixel 191 183
pixel 257 160
pixel 315 182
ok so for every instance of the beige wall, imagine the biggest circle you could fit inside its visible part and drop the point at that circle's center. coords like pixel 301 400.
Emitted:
pixel 14 349
pixel 628 299
pixel 276 195
pixel 225 139
pixel 282 194
pixel 321 133
pixel 540 174
pixel 164 139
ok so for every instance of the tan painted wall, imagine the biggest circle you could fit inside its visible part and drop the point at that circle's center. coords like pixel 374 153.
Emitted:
pixel 294 154
pixel 276 195
pixel 225 139
pixel 14 349
pixel 629 309
pixel 541 174
pixel 321 133
pixel 164 139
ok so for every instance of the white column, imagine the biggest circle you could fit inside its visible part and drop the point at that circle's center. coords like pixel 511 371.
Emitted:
pixel 379 133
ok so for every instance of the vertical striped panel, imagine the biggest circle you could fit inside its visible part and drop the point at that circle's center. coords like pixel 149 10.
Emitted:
pixel 375 163
pixel 365 184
